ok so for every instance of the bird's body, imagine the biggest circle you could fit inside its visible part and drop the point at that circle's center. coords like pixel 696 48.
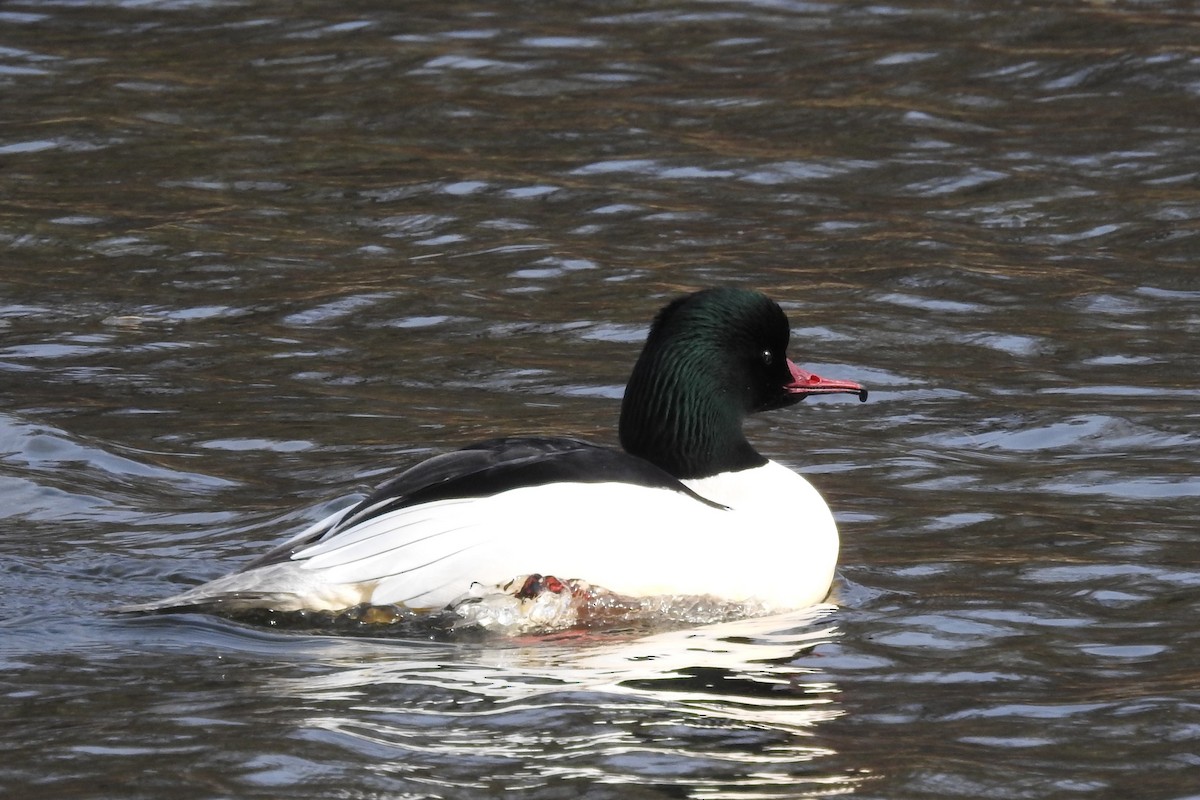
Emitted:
pixel 685 508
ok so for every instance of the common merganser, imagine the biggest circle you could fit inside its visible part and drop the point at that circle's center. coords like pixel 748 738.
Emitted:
pixel 687 507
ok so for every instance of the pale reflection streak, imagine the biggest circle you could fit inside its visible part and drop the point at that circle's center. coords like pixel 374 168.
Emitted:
pixel 628 711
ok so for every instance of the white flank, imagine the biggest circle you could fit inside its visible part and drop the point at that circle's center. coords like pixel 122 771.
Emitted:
pixel 773 541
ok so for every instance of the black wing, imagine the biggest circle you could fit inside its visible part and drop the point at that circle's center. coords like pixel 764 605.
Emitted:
pixel 488 468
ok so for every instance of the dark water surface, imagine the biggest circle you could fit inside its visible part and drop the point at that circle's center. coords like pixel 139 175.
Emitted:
pixel 253 256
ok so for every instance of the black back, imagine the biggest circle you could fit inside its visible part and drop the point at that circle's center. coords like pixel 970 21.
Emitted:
pixel 491 467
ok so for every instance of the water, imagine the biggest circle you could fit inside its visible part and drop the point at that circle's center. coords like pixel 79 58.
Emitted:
pixel 257 255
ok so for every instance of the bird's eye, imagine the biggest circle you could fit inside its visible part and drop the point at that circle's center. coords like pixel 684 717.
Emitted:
pixel 767 357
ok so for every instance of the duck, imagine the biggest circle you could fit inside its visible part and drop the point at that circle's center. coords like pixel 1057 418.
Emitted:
pixel 685 507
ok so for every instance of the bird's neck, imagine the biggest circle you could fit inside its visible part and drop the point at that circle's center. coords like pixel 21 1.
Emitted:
pixel 672 420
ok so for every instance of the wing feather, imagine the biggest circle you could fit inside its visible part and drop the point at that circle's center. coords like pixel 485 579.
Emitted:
pixel 480 470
